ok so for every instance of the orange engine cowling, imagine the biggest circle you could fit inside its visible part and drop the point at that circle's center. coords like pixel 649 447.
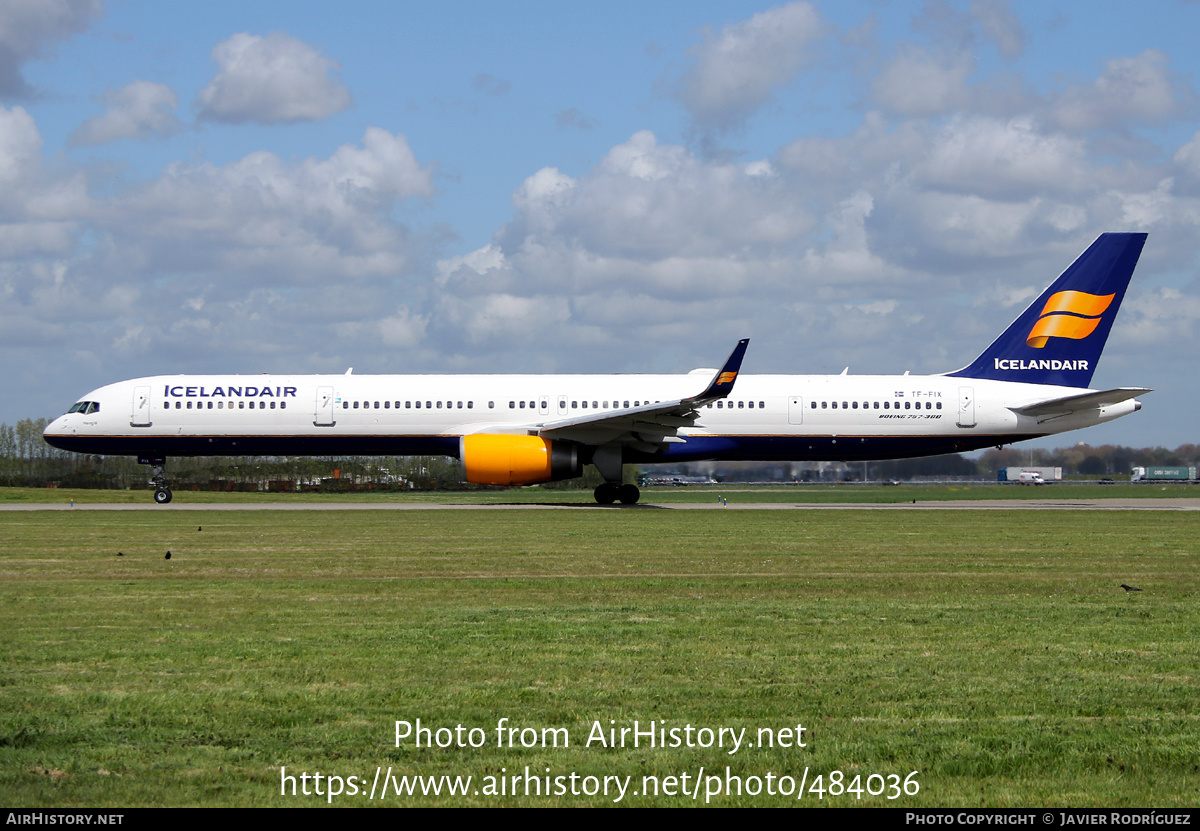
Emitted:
pixel 499 459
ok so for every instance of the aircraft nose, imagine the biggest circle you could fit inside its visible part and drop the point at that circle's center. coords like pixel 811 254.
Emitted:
pixel 54 429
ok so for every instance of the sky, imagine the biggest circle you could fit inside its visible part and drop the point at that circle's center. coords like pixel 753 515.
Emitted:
pixel 304 187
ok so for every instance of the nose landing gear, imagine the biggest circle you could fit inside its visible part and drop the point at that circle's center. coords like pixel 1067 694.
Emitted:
pixel 162 493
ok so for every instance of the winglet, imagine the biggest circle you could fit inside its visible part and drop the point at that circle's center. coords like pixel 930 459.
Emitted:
pixel 722 382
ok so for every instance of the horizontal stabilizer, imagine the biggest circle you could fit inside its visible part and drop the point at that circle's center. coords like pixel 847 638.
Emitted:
pixel 1084 401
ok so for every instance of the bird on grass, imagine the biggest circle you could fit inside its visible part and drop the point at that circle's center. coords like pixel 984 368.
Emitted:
pixel 168 556
pixel 1130 588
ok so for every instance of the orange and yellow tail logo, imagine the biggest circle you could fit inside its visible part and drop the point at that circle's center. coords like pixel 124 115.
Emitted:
pixel 726 378
pixel 1068 314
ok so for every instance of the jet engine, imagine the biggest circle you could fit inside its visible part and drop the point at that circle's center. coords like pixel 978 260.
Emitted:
pixel 499 459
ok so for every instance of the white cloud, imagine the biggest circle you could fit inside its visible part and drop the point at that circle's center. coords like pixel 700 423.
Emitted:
pixel 271 80
pixel 39 210
pixel 403 330
pixel 917 83
pixel 1188 156
pixel 1004 159
pixel 293 223
pixel 140 110
pixel 733 74
pixel 491 85
pixel 29 28
pixel 1139 89
pixel 1000 25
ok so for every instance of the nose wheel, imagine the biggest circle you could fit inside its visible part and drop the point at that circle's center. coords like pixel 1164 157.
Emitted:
pixel 162 493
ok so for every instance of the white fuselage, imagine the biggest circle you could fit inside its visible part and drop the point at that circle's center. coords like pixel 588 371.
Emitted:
pixel 766 417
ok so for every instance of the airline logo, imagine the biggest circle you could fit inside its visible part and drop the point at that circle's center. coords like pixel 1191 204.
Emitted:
pixel 1068 314
pixel 726 378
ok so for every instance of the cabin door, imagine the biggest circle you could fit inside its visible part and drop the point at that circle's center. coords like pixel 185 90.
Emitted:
pixel 966 406
pixel 324 407
pixel 795 410
pixel 141 407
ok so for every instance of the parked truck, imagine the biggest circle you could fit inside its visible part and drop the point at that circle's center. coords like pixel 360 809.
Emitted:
pixel 1029 475
pixel 1170 473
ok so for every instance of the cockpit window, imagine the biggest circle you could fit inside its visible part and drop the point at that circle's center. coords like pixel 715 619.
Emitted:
pixel 85 407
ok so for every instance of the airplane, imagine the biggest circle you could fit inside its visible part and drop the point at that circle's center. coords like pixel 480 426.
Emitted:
pixel 1032 381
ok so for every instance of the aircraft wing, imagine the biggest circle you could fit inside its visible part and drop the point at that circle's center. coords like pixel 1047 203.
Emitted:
pixel 650 425
pixel 1084 401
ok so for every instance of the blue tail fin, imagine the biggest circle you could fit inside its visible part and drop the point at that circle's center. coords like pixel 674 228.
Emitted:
pixel 1058 339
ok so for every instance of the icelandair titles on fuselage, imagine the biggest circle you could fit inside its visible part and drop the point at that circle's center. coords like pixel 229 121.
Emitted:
pixel 1013 363
pixel 229 392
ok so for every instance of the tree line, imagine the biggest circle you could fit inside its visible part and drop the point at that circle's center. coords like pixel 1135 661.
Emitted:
pixel 27 461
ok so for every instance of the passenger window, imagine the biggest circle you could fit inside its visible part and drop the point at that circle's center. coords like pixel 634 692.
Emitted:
pixel 939 405
pixel 762 405
pixel 470 405
pixel 740 403
pixel 241 405
pixel 855 407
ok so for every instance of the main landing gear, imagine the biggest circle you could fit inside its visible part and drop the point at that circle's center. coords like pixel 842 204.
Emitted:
pixel 610 492
pixel 162 493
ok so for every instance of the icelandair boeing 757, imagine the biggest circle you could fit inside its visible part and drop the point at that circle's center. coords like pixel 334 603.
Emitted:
pixel 524 429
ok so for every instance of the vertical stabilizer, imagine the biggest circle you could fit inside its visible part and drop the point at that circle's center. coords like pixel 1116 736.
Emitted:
pixel 1059 338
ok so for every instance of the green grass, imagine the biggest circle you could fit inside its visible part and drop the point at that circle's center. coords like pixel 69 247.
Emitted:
pixel 993 652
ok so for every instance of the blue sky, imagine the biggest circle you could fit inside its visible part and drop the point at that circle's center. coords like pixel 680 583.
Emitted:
pixel 526 187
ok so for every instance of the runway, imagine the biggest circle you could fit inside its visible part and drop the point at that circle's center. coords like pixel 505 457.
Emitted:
pixel 1166 504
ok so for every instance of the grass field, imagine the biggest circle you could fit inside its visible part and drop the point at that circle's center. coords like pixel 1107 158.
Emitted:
pixel 992 652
